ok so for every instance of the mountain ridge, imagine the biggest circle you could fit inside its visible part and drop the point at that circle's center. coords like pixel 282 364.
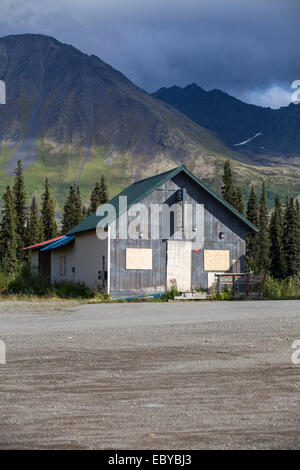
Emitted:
pixel 235 121
pixel 72 117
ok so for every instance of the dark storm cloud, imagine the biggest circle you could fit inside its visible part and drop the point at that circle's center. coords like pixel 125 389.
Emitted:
pixel 248 48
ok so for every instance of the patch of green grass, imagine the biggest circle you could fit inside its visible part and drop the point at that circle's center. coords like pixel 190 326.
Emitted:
pixel 61 166
pixel 4 282
pixel 282 289
pixel 73 290
pixel 117 173
pixel 27 285
pixel 5 179
pixel 199 289
pixel 57 167
pixel 226 294
pixel 171 293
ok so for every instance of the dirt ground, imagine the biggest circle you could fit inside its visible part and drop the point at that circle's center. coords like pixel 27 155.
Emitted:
pixel 198 375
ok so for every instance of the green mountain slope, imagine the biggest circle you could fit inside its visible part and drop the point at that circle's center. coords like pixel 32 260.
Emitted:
pixel 71 117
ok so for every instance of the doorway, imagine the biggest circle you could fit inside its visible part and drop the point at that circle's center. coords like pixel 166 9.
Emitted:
pixel 179 264
pixel 45 264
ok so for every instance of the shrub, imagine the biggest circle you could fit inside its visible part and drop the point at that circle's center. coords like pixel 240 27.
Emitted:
pixel 73 290
pixel 272 287
pixel 226 294
pixel 199 289
pixel 291 287
pixel 4 281
pixel 106 298
pixel 282 288
pixel 172 292
pixel 213 294
pixel 28 283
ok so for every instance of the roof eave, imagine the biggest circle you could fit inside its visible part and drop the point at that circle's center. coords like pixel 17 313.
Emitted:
pixel 169 175
pixel 222 201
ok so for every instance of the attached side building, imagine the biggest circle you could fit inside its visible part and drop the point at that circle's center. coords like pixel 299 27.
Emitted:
pixel 142 264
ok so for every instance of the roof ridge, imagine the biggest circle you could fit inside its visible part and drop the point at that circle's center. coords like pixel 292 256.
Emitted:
pixel 154 176
pixel 174 171
pixel 140 189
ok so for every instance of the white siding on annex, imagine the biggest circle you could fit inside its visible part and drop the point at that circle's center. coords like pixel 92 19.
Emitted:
pixel 83 260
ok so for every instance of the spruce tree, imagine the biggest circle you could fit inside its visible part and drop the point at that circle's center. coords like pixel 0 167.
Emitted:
pixel 297 207
pixel 34 224
pixel 19 196
pixel 67 214
pixel 48 214
pixel 8 235
pixel 95 198
pixel 291 239
pixel 263 238
pixel 99 195
pixel 277 260
pixel 78 208
pixel 228 191
pixel 103 191
pixel 251 239
pixel 72 210
pixel 239 201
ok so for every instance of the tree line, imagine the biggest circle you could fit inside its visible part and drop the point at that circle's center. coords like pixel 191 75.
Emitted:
pixel 22 226
pixel 275 249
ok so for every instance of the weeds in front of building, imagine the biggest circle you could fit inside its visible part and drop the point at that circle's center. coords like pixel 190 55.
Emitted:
pixel 282 288
pixel 280 237
pixel 25 284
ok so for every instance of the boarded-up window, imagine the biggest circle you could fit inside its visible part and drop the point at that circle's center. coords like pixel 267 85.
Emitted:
pixel 138 258
pixel 62 265
pixel 216 260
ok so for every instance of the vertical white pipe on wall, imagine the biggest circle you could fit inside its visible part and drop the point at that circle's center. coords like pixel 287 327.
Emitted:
pixel 108 259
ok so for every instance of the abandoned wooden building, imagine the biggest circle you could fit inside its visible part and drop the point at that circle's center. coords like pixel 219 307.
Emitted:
pixel 169 228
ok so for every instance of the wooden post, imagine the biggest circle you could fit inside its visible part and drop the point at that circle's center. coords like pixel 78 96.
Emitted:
pixel 233 283
pixel 248 284
pixel 218 281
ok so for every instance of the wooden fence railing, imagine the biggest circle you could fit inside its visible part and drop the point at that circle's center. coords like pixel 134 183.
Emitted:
pixel 240 283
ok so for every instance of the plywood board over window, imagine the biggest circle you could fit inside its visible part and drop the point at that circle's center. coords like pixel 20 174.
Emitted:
pixel 138 258
pixel 216 260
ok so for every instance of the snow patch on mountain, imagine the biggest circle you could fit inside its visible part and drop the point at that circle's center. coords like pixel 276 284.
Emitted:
pixel 248 140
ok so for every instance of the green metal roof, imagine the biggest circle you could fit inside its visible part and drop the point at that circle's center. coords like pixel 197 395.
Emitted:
pixel 141 189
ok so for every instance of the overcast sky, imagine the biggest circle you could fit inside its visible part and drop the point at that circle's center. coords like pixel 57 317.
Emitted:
pixel 249 48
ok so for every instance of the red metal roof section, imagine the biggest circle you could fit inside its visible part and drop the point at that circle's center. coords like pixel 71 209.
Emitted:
pixel 42 243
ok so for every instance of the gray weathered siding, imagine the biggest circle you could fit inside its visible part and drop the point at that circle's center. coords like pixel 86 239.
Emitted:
pixel 215 218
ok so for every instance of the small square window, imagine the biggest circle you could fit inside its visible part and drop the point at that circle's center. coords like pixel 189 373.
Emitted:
pixel 62 265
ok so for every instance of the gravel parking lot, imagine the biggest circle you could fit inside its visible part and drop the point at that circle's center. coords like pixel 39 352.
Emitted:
pixel 196 375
